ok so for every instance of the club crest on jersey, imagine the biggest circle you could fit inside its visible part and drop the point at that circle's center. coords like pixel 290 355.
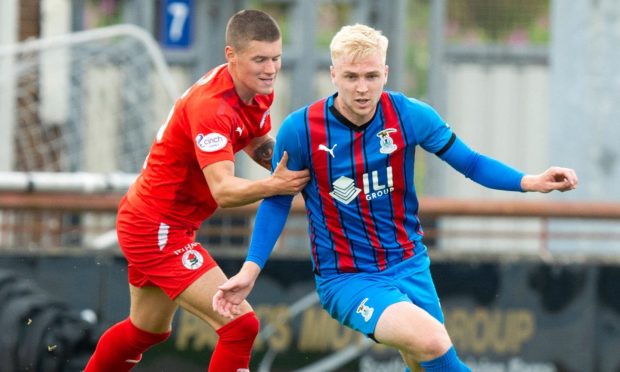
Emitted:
pixel 344 190
pixel 386 142
pixel 365 311
pixel 211 142
pixel 192 259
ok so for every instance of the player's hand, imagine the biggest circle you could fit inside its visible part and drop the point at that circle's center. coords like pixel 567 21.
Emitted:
pixel 286 181
pixel 554 178
pixel 234 291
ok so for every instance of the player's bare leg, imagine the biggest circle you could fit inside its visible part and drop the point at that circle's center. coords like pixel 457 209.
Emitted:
pixel 424 339
pixel 197 298
pixel 151 309
pixel 232 352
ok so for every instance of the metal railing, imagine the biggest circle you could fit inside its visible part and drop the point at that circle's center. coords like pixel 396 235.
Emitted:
pixel 44 221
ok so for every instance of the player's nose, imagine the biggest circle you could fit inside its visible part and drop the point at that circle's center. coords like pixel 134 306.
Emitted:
pixel 272 67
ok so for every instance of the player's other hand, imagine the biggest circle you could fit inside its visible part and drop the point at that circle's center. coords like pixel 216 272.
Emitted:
pixel 554 178
pixel 286 181
pixel 235 290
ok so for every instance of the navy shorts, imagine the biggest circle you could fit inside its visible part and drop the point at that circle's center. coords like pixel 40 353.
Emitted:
pixel 357 300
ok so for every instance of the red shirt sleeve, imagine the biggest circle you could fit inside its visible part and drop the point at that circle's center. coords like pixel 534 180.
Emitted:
pixel 211 133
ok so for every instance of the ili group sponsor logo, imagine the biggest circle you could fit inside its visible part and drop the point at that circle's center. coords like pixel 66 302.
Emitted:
pixel 344 189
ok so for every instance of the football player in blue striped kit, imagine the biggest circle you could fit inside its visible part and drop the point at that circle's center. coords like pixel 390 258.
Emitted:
pixel 371 267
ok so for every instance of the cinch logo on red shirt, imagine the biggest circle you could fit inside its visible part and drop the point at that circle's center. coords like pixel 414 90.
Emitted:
pixel 211 142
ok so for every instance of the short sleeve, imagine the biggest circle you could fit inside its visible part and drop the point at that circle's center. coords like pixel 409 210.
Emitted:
pixel 432 133
pixel 211 137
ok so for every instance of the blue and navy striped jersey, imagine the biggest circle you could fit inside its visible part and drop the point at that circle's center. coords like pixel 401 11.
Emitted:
pixel 361 201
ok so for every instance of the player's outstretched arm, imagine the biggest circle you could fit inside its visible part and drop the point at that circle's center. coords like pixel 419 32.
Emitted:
pixel 554 178
pixel 270 221
pixel 236 289
pixel 230 191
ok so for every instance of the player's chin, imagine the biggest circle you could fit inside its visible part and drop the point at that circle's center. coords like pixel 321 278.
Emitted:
pixel 265 86
pixel 264 90
pixel 363 110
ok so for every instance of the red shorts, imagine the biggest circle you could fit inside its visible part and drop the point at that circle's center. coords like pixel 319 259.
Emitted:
pixel 160 254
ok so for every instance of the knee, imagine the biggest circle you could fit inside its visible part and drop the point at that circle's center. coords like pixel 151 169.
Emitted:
pixel 434 346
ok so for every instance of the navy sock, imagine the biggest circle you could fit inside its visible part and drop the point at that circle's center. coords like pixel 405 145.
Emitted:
pixel 449 362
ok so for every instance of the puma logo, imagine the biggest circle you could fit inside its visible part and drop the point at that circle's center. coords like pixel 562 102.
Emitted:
pixel 327 149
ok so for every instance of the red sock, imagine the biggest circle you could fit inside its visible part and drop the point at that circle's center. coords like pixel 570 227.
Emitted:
pixel 234 346
pixel 120 348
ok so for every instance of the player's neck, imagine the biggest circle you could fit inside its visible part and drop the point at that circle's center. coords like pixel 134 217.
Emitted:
pixel 245 94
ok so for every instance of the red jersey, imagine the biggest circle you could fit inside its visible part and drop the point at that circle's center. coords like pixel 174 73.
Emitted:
pixel 208 123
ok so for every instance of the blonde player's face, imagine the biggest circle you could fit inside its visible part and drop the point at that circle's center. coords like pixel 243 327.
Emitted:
pixel 359 83
pixel 254 69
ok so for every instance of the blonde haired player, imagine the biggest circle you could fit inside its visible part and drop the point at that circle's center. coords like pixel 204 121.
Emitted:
pixel 370 264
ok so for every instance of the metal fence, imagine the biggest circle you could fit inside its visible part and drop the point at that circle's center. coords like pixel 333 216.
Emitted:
pixel 44 221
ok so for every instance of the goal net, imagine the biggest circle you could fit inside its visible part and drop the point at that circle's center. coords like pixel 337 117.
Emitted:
pixel 84 102
pixel 72 108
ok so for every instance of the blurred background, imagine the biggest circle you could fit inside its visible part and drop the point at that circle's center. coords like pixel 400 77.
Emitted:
pixel 528 282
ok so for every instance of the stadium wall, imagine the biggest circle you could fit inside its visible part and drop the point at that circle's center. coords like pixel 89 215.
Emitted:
pixel 503 314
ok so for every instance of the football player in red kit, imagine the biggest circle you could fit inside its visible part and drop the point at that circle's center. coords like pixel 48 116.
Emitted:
pixel 188 173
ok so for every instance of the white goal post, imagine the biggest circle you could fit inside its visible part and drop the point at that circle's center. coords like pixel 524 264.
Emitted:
pixel 89 101
pixel 78 113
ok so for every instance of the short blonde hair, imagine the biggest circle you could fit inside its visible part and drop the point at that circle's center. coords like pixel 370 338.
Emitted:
pixel 358 41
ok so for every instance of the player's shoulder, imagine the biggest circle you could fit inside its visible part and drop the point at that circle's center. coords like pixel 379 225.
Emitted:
pixel 298 114
pixel 215 88
pixel 297 118
pixel 400 99
pixel 413 108
pixel 293 127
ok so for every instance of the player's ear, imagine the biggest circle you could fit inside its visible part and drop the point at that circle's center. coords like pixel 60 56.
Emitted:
pixel 387 69
pixel 332 73
pixel 230 54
